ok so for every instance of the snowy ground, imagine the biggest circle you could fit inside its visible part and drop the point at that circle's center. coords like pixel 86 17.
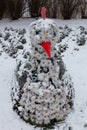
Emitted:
pixel 76 64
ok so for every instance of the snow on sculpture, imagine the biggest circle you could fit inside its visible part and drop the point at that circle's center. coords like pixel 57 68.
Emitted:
pixel 47 92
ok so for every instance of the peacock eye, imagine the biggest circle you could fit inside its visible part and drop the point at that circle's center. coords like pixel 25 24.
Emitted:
pixel 38 32
pixel 54 34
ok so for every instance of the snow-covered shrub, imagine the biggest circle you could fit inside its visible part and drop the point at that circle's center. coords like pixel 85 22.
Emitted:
pixel 81 40
pixel 82 36
pixel 13 40
pixel 23 67
pixel 62 48
pixel 83 30
pixel 63 33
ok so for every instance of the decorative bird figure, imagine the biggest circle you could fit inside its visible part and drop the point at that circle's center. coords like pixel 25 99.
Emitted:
pixel 47 94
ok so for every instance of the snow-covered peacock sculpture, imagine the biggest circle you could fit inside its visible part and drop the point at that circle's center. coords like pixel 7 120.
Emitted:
pixel 46 94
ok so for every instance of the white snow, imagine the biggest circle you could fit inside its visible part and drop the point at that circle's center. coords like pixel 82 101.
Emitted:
pixel 76 64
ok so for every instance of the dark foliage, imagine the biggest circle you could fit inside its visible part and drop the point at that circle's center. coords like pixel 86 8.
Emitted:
pixel 83 9
pixel 36 5
pixel 15 8
pixel 68 8
pixel 2 8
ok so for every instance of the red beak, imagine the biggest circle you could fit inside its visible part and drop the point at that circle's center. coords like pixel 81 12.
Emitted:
pixel 47 48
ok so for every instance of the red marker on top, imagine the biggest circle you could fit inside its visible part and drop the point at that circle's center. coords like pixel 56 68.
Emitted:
pixel 43 13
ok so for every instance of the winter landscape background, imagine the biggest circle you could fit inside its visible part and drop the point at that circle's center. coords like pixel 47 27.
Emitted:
pixel 72 44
